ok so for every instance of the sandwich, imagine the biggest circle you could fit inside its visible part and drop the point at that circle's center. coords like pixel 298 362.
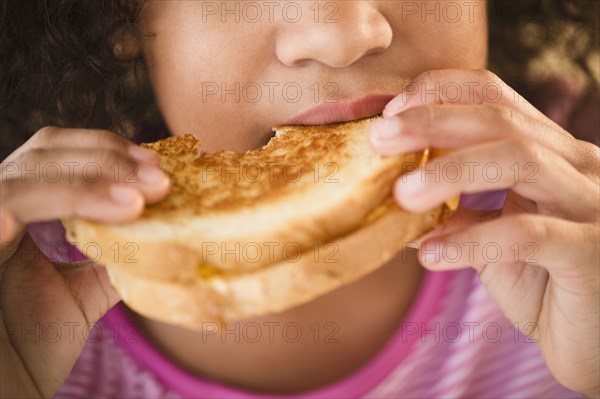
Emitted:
pixel 247 234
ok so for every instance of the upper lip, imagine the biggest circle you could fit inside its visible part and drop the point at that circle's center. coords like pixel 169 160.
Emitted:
pixel 342 110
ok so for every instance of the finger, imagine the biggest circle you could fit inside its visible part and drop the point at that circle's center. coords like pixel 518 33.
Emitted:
pixel 101 201
pixel 530 170
pixel 90 284
pixel 454 126
pixel 519 255
pixel 459 87
pixel 52 165
pixel 68 301
pixel 100 185
pixel 460 220
pixel 54 137
pixel 563 247
pixel 10 234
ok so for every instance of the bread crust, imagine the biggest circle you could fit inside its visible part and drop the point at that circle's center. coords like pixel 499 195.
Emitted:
pixel 277 287
pixel 237 226
pixel 220 250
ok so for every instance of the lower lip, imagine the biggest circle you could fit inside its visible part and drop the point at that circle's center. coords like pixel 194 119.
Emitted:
pixel 343 111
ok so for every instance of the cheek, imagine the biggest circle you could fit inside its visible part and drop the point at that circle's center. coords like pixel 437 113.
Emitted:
pixel 440 35
pixel 457 48
pixel 191 77
pixel 467 44
pixel 188 60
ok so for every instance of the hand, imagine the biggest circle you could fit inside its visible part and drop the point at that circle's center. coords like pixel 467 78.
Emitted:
pixel 60 173
pixel 544 269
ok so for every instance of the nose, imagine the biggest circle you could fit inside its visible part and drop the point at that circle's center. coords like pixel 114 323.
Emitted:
pixel 336 34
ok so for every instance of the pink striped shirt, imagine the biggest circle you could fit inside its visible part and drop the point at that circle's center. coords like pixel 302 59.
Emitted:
pixel 454 343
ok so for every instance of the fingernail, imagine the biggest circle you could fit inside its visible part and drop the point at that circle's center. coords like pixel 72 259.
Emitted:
pixel 410 184
pixel 151 175
pixel 142 154
pixel 396 105
pixel 124 195
pixel 385 129
pixel 4 225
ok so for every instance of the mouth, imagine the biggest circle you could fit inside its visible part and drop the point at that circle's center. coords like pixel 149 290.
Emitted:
pixel 342 110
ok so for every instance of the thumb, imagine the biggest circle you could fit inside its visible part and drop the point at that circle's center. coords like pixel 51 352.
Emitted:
pixel 87 280
pixel 48 310
pixel 460 220
pixel 90 284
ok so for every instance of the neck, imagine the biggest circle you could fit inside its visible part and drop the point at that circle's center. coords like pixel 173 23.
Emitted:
pixel 322 341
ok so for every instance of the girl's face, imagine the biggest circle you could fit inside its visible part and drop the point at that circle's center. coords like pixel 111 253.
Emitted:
pixel 228 71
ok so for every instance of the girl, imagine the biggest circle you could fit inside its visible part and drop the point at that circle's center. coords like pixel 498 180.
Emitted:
pixel 507 305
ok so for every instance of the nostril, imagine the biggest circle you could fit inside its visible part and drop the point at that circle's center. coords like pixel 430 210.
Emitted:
pixel 376 50
pixel 296 63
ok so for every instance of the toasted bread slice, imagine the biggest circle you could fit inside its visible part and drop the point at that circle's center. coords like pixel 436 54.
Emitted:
pixel 276 287
pixel 229 212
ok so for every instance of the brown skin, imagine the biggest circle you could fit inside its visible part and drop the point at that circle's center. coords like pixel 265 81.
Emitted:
pixel 388 53
pixel 34 291
pixel 556 211
pixel 371 49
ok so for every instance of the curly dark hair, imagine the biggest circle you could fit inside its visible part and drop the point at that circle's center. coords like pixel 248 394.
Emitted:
pixel 59 68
